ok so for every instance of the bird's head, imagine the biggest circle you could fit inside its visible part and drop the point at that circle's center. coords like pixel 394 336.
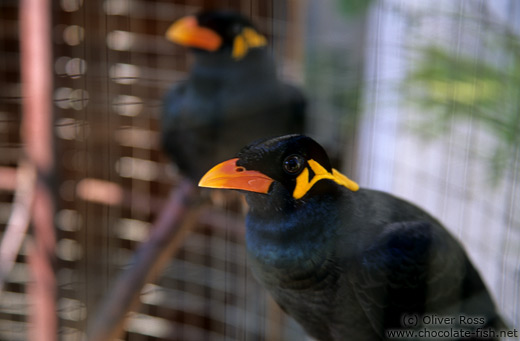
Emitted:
pixel 212 31
pixel 290 166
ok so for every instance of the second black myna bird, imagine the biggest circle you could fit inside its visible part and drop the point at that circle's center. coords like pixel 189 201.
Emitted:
pixel 232 96
pixel 350 263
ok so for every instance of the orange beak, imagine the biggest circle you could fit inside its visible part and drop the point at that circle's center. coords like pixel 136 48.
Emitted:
pixel 230 176
pixel 187 32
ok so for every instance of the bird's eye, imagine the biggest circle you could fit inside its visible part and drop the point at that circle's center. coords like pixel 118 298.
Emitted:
pixel 293 164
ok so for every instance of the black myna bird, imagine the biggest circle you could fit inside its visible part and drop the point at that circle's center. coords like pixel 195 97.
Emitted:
pixel 232 95
pixel 350 263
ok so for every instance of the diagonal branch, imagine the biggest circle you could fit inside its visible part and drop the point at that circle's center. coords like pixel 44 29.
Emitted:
pixel 175 222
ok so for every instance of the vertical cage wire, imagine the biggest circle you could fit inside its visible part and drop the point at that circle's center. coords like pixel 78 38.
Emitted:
pixel 429 137
pixel 113 67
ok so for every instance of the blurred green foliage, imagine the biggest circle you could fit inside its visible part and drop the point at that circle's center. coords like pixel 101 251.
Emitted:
pixel 335 74
pixel 354 7
pixel 451 86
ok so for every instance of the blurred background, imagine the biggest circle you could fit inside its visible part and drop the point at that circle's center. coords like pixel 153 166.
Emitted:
pixel 417 98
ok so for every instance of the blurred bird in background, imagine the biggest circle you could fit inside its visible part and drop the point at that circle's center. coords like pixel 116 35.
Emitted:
pixel 232 96
pixel 349 263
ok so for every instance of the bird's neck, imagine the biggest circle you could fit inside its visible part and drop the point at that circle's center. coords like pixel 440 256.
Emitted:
pixel 257 64
pixel 292 235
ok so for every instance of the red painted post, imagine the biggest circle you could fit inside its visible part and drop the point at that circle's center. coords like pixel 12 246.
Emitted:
pixel 37 134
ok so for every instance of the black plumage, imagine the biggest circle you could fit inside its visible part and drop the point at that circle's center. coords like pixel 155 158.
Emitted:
pixel 349 263
pixel 232 96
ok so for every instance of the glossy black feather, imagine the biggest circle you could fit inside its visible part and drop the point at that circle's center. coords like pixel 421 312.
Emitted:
pixel 349 265
pixel 226 103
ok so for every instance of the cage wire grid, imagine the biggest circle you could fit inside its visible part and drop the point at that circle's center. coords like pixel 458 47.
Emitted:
pixel 112 65
pixel 213 298
pixel 448 167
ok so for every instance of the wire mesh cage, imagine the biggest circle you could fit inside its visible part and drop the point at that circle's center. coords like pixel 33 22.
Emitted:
pixel 436 135
pixel 420 100
pixel 112 66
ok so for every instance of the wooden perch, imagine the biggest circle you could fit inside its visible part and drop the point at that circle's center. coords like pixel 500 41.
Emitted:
pixel 167 234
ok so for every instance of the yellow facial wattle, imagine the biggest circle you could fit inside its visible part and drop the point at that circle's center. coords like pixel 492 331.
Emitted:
pixel 304 184
pixel 247 39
